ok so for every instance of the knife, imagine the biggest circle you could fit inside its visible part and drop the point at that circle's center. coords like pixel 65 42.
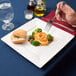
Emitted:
pixel 65 27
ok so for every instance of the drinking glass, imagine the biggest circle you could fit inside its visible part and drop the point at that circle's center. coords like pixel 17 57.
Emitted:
pixel 28 14
pixel 6 14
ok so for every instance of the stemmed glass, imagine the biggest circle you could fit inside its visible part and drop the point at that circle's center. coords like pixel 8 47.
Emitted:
pixel 6 14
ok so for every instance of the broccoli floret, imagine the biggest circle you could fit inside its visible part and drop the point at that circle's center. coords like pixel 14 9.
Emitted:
pixel 38 30
pixel 36 43
pixel 50 38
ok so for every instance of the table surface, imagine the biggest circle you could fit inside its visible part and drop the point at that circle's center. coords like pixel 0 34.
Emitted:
pixel 13 64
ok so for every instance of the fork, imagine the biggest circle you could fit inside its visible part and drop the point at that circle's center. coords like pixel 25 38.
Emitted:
pixel 49 23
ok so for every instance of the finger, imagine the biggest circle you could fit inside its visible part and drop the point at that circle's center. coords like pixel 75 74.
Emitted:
pixel 64 16
pixel 59 18
pixel 61 13
pixel 62 6
pixel 59 4
pixel 63 9
pixel 67 9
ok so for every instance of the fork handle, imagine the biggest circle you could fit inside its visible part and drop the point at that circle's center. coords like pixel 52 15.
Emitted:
pixel 63 3
pixel 58 11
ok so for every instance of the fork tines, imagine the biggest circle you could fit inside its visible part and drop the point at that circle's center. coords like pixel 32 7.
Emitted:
pixel 48 26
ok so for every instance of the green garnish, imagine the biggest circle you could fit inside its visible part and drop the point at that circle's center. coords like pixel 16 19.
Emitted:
pixel 36 43
pixel 38 30
pixel 32 36
pixel 50 38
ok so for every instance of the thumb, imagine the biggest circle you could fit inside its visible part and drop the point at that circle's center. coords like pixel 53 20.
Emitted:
pixel 63 8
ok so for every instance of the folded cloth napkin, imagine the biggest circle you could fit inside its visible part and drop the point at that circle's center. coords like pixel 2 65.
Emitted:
pixel 51 15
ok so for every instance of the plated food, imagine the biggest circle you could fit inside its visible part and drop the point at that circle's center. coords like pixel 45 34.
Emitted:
pixel 18 36
pixel 39 38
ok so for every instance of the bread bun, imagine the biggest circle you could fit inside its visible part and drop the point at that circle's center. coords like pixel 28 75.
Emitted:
pixel 18 36
pixel 19 33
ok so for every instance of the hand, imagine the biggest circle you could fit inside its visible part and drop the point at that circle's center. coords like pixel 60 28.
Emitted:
pixel 66 13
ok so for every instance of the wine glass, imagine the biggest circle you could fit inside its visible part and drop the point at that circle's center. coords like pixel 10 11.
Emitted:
pixel 6 14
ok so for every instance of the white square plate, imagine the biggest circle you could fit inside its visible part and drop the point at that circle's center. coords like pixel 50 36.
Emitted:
pixel 42 54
